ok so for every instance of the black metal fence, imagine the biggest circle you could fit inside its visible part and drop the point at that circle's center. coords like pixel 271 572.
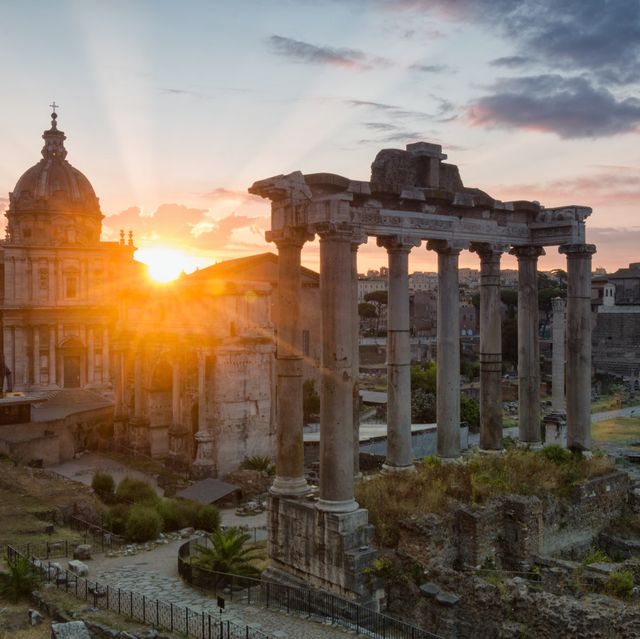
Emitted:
pixel 309 602
pixel 159 614
pixel 99 536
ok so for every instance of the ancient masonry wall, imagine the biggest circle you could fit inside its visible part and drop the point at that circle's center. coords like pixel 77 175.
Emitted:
pixel 326 550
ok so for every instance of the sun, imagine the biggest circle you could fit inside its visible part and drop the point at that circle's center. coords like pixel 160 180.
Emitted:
pixel 165 264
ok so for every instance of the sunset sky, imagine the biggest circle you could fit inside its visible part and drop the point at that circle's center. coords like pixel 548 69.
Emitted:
pixel 172 109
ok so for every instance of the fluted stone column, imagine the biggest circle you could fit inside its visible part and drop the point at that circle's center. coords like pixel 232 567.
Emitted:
pixel 36 355
pixel 336 406
pixel 90 355
pixel 355 317
pixel 203 465
pixel 578 344
pixel 528 345
pixel 490 349
pixel 399 453
pixel 290 480
pixel 448 353
pixel 138 389
pixel 106 372
pixel 52 354
pixel 557 356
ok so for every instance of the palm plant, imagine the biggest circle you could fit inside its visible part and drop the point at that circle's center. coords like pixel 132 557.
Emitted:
pixel 229 553
pixel 20 581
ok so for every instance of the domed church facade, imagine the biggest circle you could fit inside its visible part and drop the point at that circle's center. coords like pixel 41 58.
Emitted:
pixel 59 281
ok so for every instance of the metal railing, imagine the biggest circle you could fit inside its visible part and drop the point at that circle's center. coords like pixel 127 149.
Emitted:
pixel 308 602
pixel 147 610
pixel 99 535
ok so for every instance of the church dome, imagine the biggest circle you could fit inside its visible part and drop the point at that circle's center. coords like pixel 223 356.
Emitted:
pixel 53 193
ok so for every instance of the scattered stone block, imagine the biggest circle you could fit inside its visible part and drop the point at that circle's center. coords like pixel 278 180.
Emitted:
pixel 447 598
pixel 70 630
pixel 82 552
pixel 78 568
pixel 429 589
pixel 35 618
pixel 185 533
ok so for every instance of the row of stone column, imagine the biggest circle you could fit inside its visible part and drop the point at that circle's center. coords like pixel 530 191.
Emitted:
pixel 338 421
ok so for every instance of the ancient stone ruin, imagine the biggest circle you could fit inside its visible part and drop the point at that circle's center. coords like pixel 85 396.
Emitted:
pixel 413 197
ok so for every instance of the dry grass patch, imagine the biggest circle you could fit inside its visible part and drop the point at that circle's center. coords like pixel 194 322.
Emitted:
pixel 436 486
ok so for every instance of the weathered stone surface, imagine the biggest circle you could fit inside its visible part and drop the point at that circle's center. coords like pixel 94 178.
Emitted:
pixel 78 568
pixel 429 589
pixel 70 630
pixel 35 618
pixel 82 552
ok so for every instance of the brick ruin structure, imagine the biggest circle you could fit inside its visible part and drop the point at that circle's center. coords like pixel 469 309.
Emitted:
pixel 413 196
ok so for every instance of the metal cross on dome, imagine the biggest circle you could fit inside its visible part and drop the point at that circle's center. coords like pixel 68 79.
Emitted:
pixel 54 106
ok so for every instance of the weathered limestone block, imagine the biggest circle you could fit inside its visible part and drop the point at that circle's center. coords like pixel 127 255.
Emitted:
pixel 78 568
pixel 522 534
pixel 476 535
pixel 70 630
pixel 328 550
pixel 82 552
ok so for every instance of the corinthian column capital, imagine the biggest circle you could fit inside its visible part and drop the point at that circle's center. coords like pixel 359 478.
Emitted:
pixel 398 243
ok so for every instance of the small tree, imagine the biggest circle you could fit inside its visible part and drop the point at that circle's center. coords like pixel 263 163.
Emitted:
pixel 229 553
pixel 104 486
pixel 20 581
pixel 143 524
pixel 470 413
pixel 133 491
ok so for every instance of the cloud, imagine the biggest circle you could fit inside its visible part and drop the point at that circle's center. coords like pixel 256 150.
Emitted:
pixel 606 187
pixel 189 228
pixel 590 36
pixel 615 246
pixel 511 61
pixel 569 107
pixel 221 193
pixel 390 109
pixel 307 53
pixel 432 68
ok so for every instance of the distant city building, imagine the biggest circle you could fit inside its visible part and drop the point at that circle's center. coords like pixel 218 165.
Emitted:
pixel 616 336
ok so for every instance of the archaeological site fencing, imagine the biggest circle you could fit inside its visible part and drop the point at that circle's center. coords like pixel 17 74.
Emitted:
pixel 159 614
pixel 308 602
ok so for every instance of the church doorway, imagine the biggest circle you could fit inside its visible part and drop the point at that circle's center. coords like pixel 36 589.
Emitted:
pixel 71 365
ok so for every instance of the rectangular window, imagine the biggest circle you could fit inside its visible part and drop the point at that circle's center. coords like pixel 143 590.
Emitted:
pixel 306 346
pixel 72 288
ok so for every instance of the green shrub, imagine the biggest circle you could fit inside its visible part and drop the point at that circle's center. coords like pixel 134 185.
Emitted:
pixel 133 491
pixel 207 518
pixel 620 584
pixel 595 556
pixel 143 524
pixel 104 486
pixel 556 454
pixel 20 581
pixel 262 463
pixel 174 515
pixel 116 518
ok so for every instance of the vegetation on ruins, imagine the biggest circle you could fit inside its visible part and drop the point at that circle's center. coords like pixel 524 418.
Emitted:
pixel 261 463
pixel 140 515
pixel 424 398
pixel 436 486
pixel 143 524
pixel 20 580
pixel 620 584
pixel 104 486
pixel 230 552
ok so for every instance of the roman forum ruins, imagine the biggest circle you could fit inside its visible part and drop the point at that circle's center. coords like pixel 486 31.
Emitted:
pixel 412 197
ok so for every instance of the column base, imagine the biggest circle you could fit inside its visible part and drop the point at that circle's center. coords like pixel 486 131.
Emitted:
pixel 290 487
pixel 491 452
pixel 531 445
pixel 346 506
pixel 325 550
pixel 389 469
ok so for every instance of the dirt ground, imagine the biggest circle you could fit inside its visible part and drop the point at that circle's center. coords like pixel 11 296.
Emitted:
pixel 28 498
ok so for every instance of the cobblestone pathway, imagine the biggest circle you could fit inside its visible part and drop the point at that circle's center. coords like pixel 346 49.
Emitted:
pixel 172 589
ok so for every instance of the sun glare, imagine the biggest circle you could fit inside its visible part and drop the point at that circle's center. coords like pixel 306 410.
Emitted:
pixel 165 264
